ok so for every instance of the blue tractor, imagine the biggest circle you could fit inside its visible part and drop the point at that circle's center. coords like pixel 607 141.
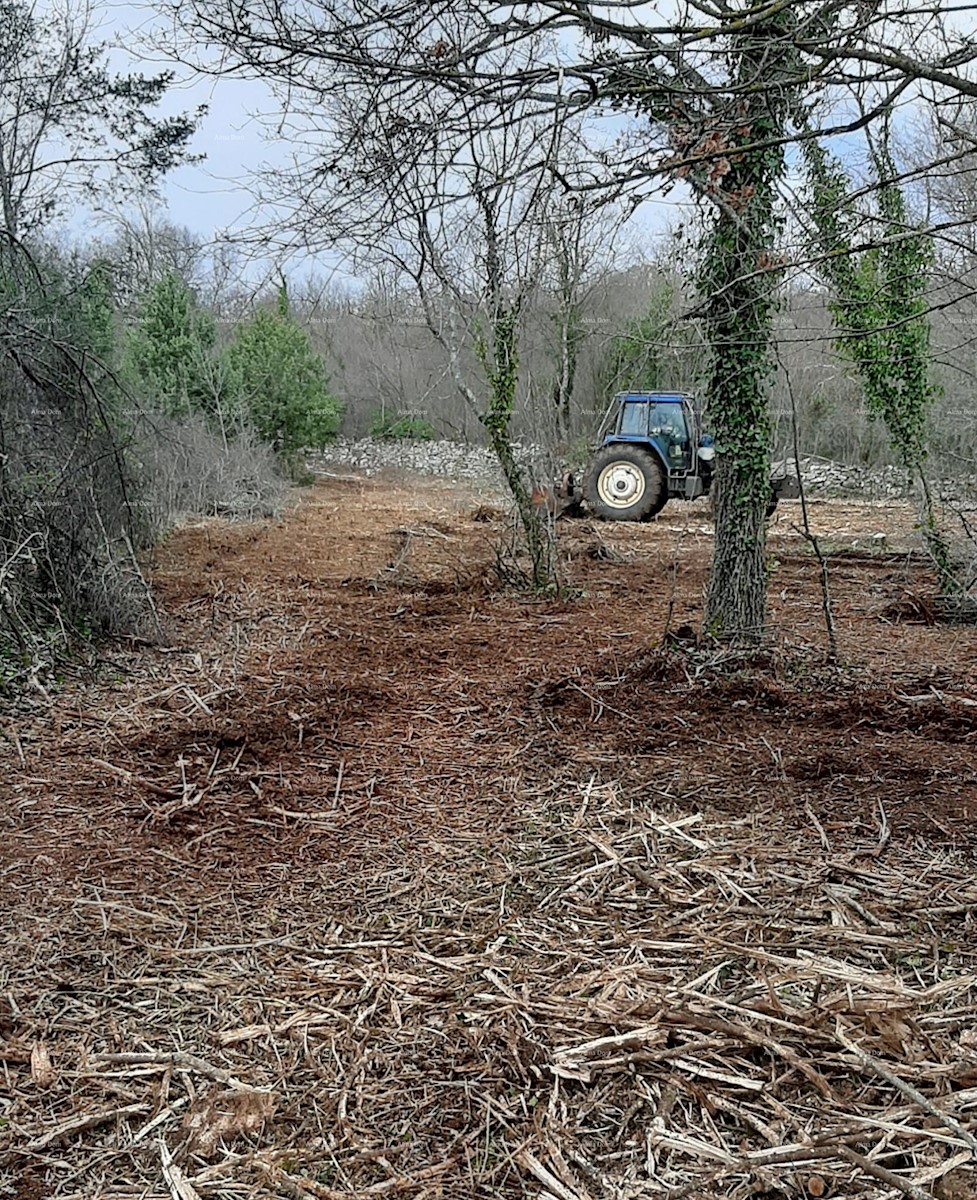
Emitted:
pixel 652 448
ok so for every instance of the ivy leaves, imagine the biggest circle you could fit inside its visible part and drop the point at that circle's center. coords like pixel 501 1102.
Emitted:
pixel 879 300
pixel 879 306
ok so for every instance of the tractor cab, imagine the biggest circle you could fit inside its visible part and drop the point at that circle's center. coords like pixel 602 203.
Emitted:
pixel 650 448
pixel 666 422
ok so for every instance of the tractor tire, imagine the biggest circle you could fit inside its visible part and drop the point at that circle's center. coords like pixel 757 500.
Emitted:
pixel 625 483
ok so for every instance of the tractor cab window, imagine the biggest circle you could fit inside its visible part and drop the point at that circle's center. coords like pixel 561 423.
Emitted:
pixel 634 419
pixel 667 425
pixel 668 419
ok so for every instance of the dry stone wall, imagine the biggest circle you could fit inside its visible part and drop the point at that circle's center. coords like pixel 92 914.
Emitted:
pixel 464 463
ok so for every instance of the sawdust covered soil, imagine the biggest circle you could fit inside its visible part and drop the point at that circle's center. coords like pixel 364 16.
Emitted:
pixel 357 656
pixel 364 634
pixel 355 729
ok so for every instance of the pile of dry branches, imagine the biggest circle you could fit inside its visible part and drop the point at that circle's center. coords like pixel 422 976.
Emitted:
pixel 608 1001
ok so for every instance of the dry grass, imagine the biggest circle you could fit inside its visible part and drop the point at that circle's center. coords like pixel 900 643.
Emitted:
pixel 614 1001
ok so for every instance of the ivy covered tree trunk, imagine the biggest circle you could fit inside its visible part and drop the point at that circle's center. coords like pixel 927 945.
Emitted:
pixel 738 329
pixel 739 276
pixel 880 310
pixel 500 359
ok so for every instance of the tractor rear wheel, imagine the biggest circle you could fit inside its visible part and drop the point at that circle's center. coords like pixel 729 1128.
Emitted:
pixel 625 483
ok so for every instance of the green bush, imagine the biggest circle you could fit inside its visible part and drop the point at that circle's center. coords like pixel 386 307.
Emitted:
pixel 395 427
pixel 71 503
pixel 169 350
pixel 281 382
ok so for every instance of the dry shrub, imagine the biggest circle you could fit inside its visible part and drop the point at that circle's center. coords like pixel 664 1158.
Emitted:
pixel 89 475
pixel 956 515
pixel 190 467
pixel 69 517
pixel 84 487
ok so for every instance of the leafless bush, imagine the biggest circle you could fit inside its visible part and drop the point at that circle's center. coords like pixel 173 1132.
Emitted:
pixel 88 479
pixel 68 522
pixel 79 499
pixel 956 509
pixel 188 467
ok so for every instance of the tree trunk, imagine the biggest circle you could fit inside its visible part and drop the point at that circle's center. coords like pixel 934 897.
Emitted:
pixel 738 321
pixel 736 600
pixel 536 534
pixel 501 363
pixel 739 276
pixel 563 392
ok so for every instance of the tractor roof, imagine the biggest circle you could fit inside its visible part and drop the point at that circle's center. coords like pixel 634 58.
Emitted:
pixel 652 397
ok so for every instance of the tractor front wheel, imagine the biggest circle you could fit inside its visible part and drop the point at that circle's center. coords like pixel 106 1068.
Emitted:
pixel 625 483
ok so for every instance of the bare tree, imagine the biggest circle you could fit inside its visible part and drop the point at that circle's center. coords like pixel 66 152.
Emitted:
pixel 467 214
pixel 68 125
pixel 145 246
pixel 583 241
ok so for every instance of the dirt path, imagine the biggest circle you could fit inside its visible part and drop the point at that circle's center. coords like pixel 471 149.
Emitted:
pixel 360 765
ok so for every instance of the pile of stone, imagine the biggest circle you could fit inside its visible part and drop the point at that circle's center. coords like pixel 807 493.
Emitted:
pixel 826 478
pixel 449 460
pixel 460 462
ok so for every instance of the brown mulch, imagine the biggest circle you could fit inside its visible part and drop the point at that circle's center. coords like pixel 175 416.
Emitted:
pixel 380 881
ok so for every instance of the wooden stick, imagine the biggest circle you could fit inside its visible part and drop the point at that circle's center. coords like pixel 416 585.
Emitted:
pixel 883 1174
pixel 545 1177
pixel 55 1136
pixel 182 1062
pixel 909 1092
pixel 180 1187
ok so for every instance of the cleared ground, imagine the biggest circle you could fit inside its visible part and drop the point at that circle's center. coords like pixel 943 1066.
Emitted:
pixel 382 881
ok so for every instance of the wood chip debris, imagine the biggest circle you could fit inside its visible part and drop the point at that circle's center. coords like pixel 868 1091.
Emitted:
pixel 553 1026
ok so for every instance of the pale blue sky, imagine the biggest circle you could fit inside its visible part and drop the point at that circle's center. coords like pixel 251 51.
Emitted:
pixel 212 198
